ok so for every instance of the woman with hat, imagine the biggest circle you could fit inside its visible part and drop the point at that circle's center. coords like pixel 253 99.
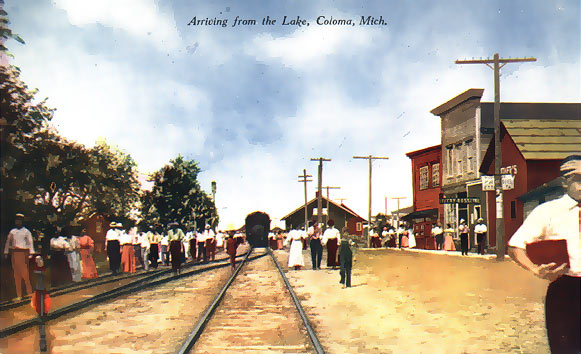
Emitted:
pixel 128 252
pixel 295 255
pixel 463 231
pixel 87 245
pixel 175 236
pixel 113 247
pixel 331 238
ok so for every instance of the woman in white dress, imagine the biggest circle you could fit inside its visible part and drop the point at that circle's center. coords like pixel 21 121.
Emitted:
pixel 295 256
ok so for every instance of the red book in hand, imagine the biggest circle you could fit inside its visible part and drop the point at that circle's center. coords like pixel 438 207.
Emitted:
pixel 548 251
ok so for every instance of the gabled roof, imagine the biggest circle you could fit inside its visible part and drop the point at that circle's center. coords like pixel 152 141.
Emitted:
pixel 342 206
pixel 544 139
pixel 488 158
pixel 424 150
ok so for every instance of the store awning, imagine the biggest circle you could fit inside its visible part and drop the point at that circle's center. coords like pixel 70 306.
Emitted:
pixel 421 214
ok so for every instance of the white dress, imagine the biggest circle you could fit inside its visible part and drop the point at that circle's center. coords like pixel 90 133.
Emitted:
pixel 412 238
pixel 295 256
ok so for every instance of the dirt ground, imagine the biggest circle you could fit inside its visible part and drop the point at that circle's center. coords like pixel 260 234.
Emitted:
pixel 411 302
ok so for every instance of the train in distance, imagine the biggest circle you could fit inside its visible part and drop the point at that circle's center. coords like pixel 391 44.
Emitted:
pixel 257 227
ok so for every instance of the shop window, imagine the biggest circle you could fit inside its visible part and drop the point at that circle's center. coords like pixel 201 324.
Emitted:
pixel 513 209
pixel 424 177
pixel 435 175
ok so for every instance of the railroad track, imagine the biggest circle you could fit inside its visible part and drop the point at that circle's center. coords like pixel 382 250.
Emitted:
pixel 257 313
pixel 144 281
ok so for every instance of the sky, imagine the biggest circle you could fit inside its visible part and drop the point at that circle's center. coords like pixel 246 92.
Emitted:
pixel 253 104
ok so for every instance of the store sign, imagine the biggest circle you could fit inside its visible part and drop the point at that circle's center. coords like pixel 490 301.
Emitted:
pixel 509 170
pixel 507 182
pixel 473 200
pixel 487 183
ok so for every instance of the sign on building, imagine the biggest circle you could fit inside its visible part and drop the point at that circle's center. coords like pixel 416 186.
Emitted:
pixel 507 182
pixel 473 200
pixel 487 183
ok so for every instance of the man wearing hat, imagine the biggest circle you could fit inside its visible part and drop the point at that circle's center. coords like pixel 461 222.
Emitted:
pixel 331 238
pixel 113 247
pixel 558 219
pixel 480 230
pixel 20 244
pixel 463 231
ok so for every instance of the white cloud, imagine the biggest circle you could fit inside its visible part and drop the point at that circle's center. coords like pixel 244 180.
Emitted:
pixel 309 48
pixel 140 18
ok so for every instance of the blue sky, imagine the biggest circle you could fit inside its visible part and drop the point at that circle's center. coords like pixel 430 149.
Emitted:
pixel 253 104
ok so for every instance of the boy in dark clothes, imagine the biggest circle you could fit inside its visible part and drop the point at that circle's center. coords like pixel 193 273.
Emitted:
pixel 346 262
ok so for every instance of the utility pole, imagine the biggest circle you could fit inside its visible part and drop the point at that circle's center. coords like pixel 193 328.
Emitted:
pixel 370 158
pixel 304 180
pixel 398 198
pixel 328 187
pixel 496 61
pixel 320 189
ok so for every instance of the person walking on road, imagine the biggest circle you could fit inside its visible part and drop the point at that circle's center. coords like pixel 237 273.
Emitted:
pixel 463 231
pixel 20 246
pixel 316 247
pixel 295 256
pixel 480 230
pixel 558 219
pixel 332 239
pixel 346 261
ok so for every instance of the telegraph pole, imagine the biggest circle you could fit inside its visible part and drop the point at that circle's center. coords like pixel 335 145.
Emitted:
pixel 398 198
pixel 370 158
pixel 304 180
pixel 496 61
pixel 320 189
pixel 328 187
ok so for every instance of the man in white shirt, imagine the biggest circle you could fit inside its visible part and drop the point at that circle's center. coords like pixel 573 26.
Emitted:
pixel 557 219
pixel 480 230
pixel 20 244
pixel 113 247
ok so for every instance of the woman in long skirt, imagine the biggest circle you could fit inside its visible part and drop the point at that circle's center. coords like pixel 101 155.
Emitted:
pixel 74 258
pixel 88 267
pixel 332 238
pixel 448 240
pixel 295 256
pixel 60 270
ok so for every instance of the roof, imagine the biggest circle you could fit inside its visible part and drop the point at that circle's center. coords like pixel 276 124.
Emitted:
pixel 420 214
pixel 404 211
pixel 342 206
pixel 545 138
pixel 534 110
pixel 424 150
pixel 555 185
pixel 461 98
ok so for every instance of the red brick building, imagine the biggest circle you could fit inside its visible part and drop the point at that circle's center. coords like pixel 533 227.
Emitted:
pixel 427 180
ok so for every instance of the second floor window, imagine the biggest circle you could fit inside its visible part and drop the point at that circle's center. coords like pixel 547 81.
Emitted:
pixel 424 177
pixel 435 175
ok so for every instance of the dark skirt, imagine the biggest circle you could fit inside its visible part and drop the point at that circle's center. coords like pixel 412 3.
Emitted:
pixel 464 243
pixel 154 254
pixel 60 272
pixel 332 253
pixel 114 254
pixel 175 249
pixel 193 248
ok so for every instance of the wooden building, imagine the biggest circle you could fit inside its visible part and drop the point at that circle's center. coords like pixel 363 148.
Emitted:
pixel 532 151
pixel 467 130
pixel 427 180
pixel 340 213
pixel 97 226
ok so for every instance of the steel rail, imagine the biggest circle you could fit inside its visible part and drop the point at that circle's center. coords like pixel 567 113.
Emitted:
pixel 117 292
pixel 86 284
pixel 197 331
pixel 312 335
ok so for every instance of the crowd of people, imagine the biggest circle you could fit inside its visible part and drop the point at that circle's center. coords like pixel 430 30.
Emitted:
pixel 70 255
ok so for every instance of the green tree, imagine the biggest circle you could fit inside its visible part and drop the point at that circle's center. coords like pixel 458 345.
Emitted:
pixel 176 196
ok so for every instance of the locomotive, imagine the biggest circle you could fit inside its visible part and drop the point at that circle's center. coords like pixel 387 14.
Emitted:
pixel 257 228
